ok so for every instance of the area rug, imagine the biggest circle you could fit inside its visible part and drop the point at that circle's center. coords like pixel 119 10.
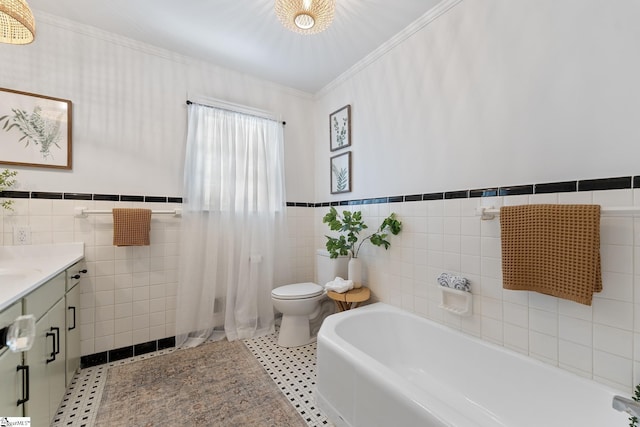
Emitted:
pixel 215 384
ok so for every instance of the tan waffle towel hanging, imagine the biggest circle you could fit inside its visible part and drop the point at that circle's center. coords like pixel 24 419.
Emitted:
pixel 552 249
pixel 131 227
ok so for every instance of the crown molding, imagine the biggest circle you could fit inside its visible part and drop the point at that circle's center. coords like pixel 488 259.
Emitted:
pixel 433 14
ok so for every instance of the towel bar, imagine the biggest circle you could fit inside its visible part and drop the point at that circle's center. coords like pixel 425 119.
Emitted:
pixel 84 212
pixel 489 212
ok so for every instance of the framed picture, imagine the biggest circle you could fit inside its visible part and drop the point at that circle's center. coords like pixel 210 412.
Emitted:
pixel 35 130
pixel 340 128
pixel 341 173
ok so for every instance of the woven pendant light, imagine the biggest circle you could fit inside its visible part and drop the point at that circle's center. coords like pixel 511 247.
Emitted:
pixel 17 25
pixel 305 16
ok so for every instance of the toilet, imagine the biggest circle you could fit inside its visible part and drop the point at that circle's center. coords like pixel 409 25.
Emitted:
pixel 301 302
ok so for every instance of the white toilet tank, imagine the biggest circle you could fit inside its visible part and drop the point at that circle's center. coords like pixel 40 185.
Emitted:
pixel 327 269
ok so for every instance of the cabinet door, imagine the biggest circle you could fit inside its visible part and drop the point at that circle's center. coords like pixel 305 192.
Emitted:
pixel 36 358
pixel 46 361
pixel 73 332
pixel 11 384
pixel 57 369
pixel 10 377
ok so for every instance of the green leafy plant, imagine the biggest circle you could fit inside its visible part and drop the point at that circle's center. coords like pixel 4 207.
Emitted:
pixel 341 131
pixel 351 224
pixel 633 421
pixel 41 131
pixel 6 182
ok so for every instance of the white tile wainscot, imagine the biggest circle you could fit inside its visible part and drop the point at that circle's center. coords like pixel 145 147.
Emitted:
pixel 598 341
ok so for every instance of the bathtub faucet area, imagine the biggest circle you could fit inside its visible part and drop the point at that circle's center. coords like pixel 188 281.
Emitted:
pixel 629 406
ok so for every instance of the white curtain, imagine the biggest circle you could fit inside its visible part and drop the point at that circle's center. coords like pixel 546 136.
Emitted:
pixel 233 226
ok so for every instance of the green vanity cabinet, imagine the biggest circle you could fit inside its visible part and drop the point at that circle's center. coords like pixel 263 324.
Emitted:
pixel 34 382
pixel 46 359
pixel 9 372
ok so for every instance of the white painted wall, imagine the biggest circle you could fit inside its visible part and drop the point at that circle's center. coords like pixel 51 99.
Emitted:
pixel 494 93
pixel 129 111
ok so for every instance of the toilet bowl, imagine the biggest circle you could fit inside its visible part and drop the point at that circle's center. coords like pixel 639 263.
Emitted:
pixel 298 303
pixel 301 302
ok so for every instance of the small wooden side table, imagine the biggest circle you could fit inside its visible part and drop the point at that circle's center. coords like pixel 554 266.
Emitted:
pixel 349 299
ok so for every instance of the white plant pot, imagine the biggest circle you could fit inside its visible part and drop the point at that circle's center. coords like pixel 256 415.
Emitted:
pixel 355 272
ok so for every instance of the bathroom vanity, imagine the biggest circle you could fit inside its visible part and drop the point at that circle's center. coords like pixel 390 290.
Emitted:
pixel 41 280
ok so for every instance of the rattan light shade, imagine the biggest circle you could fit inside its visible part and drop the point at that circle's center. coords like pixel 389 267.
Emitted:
pixel 17 25
pixel 305 16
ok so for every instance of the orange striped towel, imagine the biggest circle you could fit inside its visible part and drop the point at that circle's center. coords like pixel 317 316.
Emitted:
pixel 552 249
pixel 131 227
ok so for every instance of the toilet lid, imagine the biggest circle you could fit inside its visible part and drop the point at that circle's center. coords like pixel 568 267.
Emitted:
pixel 297 291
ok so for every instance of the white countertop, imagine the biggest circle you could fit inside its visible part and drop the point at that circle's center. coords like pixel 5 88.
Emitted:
pixel 24 268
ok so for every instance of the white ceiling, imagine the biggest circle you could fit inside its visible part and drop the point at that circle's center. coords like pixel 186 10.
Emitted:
pixel 246 36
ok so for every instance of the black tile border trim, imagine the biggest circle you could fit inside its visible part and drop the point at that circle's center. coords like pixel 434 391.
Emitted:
pixel 155 199
pixel 144 348
pixel 433 196
pixel 128 198
pixel 120 353
pixel 107 197
pixel 516 190
pixel 9 194
pixel 483 192
pixel 126 352
pixel 458 194
pixel 15 194
pixel 620 183
pixel 556 187
pixel 46 195
pixel 94 359
pixel 78 196
pixel 616 183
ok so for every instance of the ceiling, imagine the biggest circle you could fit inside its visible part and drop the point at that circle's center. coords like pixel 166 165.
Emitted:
pixel 246 36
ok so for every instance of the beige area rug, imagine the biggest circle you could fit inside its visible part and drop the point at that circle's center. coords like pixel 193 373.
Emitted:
pixel 215 384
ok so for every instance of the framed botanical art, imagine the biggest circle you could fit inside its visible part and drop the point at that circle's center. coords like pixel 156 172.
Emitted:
pixel 340 128
pixel 341 173
pixel 35 130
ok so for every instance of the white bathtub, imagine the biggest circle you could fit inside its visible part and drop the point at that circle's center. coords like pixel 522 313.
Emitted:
pixel 381 366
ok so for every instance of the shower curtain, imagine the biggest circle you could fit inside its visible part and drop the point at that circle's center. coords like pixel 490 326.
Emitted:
pixel 233 226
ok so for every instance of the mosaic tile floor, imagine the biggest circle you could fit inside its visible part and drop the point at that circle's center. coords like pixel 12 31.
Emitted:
pixel 292 369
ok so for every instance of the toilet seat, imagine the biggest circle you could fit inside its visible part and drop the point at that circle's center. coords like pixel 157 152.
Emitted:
pixel 297 291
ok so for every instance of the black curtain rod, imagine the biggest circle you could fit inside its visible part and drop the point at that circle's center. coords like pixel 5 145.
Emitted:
pixel 191 102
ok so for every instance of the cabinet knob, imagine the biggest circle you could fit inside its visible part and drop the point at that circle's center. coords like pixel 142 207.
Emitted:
pixel 83 271
pixel 77 276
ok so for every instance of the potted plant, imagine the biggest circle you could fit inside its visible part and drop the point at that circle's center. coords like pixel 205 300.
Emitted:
pixel 351 224
pixel 6 182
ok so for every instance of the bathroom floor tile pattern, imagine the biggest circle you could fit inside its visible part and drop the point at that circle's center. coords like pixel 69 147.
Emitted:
pixel 292 369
